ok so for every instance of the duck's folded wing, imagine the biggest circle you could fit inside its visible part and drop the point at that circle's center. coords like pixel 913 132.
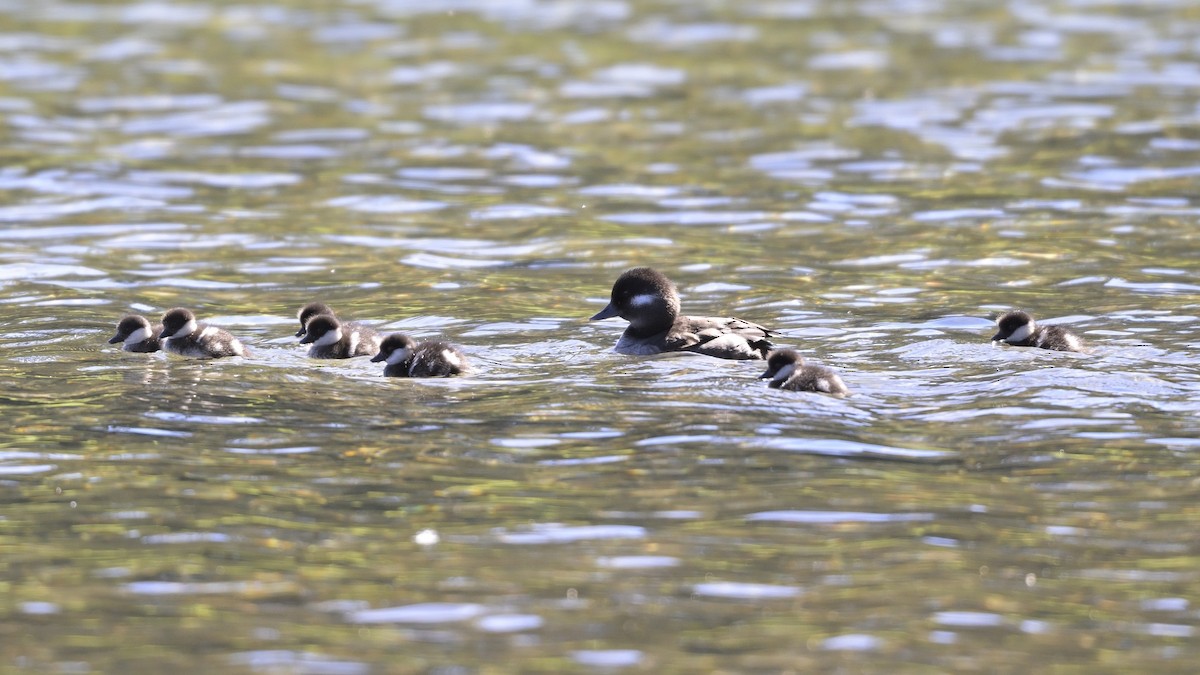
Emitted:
pixel 731 337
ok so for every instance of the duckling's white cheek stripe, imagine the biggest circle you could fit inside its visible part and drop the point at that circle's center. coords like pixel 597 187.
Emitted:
pixel 398 356
pixel 642 300
pixel 1020 334
pixel 329 338
pixel 785 372
pixel 137 336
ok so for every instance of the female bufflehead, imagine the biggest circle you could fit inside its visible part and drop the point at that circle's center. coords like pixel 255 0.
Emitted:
pixel 1017 328
pixel 137 334
pixel 787 370
pixel 182 335
pixel 406 358
pixel 648 300
pixel 331 339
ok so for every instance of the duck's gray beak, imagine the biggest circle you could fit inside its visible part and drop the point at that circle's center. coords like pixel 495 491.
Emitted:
pixel 378 357
pixel 306 339
pixel 300 333
pixel 770 372
pixel 606 313
pixel 997 337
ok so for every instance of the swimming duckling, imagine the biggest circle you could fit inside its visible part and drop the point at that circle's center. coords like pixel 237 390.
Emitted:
pixel 135 331
pixel 1018 328
pixel 787 370
pixel 182 335
pixel 331 339
pixel 406 357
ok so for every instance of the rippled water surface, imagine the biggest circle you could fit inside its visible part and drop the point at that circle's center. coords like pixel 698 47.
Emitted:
pixel 875 179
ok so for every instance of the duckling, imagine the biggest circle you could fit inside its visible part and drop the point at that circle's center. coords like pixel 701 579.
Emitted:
pixel 135 331
pixel 787 370
pixel 406 357
pixel 182 335
pixel 1018 329
pixel 331 339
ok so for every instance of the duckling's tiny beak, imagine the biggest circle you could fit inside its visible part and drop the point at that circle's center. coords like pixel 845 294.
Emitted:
pixel 606 313
pixel 306 339
pixel 770 372
pixel 300 333
pixel 115 339
pixel 997 337
pixel 379 357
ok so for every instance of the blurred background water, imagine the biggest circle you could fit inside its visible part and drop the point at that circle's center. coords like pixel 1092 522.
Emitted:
pixel 877 179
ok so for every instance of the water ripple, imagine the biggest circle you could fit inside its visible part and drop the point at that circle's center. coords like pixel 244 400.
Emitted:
pixel 384 204
pixel 423 613
pixel 555 533
pixel 744 591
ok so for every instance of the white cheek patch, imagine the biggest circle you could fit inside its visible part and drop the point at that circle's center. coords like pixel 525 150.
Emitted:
pixel 643 300
pixel 137 336
pixel 186 329
pixel 450 357
pixel 328 339
pixel 1021 334
pixel 399 356
pixel 785 372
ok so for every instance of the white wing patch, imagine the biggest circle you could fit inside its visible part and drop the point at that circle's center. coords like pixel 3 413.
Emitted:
pixel 354 340
pixel 451 358
pixel 208 331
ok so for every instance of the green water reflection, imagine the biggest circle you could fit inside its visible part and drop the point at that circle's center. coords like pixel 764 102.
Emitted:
pixel 874 179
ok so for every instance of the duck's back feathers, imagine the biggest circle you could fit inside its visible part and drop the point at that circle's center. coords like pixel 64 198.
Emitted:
pixel 207 342
pixel 436 359
pixel 1058 338
pixel 726 338
pixel 813 378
